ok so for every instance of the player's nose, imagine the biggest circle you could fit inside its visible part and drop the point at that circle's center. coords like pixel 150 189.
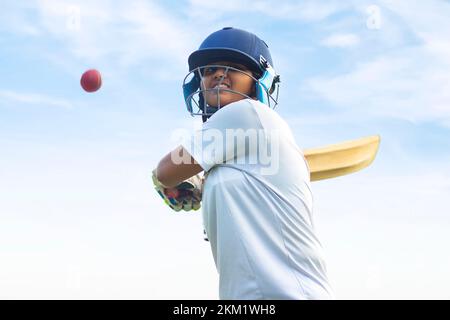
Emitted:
pixel 220 72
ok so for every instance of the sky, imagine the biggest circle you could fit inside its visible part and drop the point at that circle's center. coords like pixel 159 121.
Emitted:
pixel 79 218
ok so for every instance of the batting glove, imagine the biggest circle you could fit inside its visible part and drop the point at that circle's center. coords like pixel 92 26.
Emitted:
pixel 186 196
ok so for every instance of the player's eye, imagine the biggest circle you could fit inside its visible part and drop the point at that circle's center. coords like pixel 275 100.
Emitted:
pixel 209 70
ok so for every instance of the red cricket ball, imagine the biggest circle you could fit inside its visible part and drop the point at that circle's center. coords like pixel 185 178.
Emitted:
pixel 91 80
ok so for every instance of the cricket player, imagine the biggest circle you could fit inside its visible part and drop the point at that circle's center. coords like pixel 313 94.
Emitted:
pixel 255 192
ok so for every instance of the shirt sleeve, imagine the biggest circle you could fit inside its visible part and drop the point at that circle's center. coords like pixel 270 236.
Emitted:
pixel 229 134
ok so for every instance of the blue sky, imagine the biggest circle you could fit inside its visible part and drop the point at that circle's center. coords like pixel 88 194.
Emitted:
pixel 79 217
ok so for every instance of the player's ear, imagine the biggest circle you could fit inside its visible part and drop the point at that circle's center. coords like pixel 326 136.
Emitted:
pixel 255 86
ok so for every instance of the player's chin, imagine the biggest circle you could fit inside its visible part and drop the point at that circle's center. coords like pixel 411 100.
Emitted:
pixel 223 99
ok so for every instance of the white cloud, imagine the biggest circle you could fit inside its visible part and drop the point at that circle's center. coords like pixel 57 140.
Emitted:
pixel 8 97
pixel 286 10
pixel 409 81
pixel 126 33
pixel 341 40
pixel 155 33
pixel 14 19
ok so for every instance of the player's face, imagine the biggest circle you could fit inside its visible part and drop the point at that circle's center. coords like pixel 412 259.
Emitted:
pixel 219 80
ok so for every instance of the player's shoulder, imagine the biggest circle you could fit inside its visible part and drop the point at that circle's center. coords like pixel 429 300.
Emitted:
pixel 239 106
pixel 246 113
pixel 245 108
pixel 242 110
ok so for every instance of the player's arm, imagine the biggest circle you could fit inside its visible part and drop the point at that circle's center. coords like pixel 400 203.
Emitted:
pixel 171 173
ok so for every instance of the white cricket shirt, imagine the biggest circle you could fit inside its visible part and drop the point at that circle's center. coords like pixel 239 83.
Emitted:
pixel 257 206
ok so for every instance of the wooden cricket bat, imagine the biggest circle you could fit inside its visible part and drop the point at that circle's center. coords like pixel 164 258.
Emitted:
pixel 342 158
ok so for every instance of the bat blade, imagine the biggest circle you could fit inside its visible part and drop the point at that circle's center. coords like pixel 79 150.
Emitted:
pixel 342 158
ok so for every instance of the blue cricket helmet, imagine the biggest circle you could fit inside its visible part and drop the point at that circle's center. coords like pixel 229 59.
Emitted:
pixel 235 45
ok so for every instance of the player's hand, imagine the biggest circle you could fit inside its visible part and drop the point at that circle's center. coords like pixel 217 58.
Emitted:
pixel 185 196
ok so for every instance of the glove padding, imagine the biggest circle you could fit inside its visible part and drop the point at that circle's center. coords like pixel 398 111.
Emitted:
pixel 185 196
